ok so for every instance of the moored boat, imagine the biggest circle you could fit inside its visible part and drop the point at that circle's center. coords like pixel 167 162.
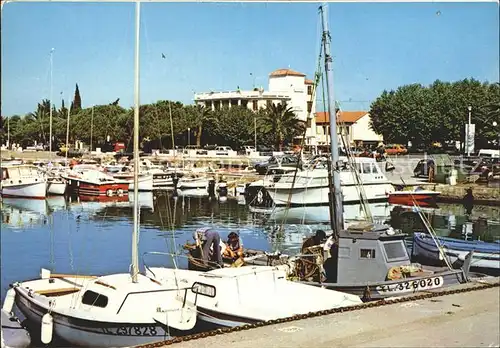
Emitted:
pixel 486 255
pixel 93 182
pixel 24 181
pixel 414 197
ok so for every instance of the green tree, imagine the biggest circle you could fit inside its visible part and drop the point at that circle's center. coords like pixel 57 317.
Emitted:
pixel 76 105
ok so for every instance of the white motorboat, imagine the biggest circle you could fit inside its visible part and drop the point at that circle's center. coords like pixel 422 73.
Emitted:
pixel 192 183
pixel 118 310
pixel 310 187
pixel 229 297
pixel 145 180
pixel 22 181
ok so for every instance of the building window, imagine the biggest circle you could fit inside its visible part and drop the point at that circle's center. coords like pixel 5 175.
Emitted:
pixel 309 106
pixel 217 105
pixel 268 103
pixel 255 105
pixel 309 90
pixel 309 122
pixel 244 103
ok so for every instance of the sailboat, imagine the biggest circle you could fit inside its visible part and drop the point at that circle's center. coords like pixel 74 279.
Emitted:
pixel 115 310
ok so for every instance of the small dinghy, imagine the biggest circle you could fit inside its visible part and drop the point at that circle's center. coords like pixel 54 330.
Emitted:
pixel 250 258
pixel 486 255
pixel 13 334
pixel 418 196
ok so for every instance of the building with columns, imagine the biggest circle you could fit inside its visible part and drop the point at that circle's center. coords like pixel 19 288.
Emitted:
pixel 285 85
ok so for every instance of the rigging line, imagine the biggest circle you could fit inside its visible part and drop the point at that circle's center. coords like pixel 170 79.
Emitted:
pixel 300 155
pixel 429 228
pixel 357 178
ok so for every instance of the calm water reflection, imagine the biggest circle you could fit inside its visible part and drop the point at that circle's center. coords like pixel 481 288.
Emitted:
pixel 74 236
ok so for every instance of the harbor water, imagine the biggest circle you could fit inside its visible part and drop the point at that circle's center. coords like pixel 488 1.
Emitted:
pixel 68 235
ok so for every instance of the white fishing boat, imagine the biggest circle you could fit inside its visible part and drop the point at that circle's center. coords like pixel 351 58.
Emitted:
pixel 310 187
pixel 229 297
pixel 22 181
pixel 118 310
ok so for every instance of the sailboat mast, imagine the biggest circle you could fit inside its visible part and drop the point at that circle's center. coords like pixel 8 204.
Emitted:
pixel 50 111
pixel 337 191
pixel 91 127
pixel 134 269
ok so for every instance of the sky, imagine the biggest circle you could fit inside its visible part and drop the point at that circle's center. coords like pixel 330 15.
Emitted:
pixel 216 46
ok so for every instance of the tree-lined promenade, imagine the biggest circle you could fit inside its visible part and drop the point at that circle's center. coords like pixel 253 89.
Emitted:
pixel 416 113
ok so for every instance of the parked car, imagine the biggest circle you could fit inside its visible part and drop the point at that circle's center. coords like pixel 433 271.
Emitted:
pixel 396 149
pixel 278 165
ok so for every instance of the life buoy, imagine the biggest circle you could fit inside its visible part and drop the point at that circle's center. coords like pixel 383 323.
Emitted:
pixel 394 273
pixel 109 192
pixel 119 192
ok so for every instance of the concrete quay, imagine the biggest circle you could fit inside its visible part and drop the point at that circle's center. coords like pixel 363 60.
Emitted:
pixel 468 319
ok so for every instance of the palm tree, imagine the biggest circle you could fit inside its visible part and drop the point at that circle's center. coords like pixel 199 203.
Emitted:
pixel 280 120
pixel 42 110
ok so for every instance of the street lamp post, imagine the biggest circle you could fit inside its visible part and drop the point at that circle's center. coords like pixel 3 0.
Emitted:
pixel 467 133
pixel 189 136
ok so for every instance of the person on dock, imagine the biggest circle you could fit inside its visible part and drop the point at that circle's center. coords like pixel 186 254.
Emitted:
pixel 234 249
pixel 205 239
pixel 468 201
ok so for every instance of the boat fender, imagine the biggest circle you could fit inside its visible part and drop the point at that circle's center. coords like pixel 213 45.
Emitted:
pixel 8 304
pixel 119 192
pixel 47 328
pixel 109 192
pixel 394 273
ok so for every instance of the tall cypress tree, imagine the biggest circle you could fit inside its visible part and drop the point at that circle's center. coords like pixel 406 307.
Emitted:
pixel 77 100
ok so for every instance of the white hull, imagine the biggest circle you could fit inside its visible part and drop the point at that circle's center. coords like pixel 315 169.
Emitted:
pixel 29 190
pixel 202 192
pixel 319 195
pixel 145 183
pixel 56 188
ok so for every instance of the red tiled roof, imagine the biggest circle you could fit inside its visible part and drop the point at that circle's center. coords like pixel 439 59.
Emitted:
pixel 344 117
pixel 309 82
pixel 285 72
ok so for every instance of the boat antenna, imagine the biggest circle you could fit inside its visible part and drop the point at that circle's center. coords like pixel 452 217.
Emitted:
pixel 338 221
pixel 134 267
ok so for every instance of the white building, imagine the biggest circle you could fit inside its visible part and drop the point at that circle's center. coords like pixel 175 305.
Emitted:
pixel 355 125
pixel 285 85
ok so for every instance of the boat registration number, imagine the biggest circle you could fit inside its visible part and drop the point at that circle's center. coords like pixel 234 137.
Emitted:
pixel 131 331
pixel 411 285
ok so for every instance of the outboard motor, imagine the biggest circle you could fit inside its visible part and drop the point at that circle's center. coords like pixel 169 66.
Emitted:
pixel 211 188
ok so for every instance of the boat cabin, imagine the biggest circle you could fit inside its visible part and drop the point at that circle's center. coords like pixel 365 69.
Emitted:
pixel 366 253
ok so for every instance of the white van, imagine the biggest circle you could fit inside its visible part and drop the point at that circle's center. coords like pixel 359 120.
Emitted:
pixel 488 153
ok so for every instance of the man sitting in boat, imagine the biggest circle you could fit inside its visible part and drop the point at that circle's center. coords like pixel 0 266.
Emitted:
pixel 312 241
pixel 234 249
pixel 207 238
